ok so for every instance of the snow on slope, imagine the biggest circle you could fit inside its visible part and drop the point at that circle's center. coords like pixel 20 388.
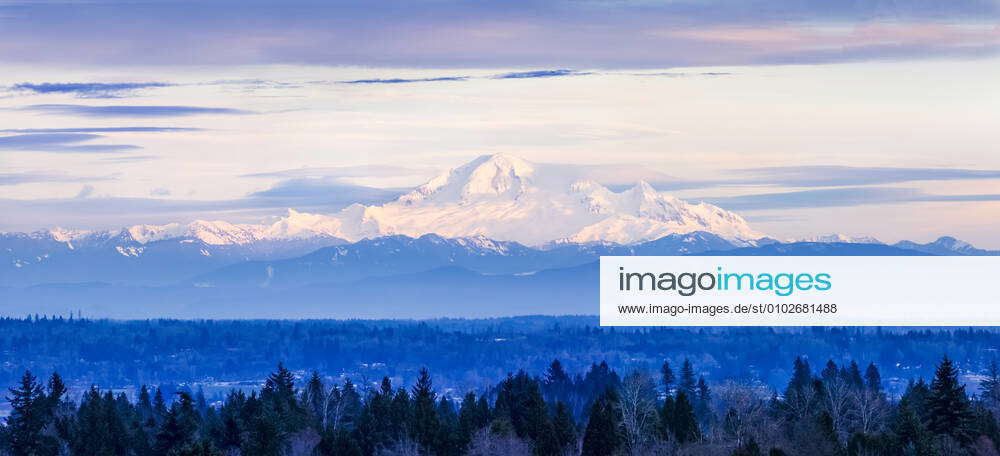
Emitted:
pixel 843 238
pixel 494 196
pixel 510 199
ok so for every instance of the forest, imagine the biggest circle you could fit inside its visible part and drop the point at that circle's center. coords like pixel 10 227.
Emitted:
pixel 837 410
pixel 183 355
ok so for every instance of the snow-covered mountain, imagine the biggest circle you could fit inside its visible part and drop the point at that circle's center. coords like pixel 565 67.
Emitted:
pixel 841 238
pixel 494 196
pixel 506 198
pixel 947 245
pixel 141 255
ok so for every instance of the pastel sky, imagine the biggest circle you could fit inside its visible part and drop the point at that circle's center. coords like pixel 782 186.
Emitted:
pixel 806 117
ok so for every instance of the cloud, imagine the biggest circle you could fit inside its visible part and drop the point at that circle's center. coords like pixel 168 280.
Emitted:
pixel 32 178
pixel 339 172
pixel 668 74
pixel 130 158
pixel 88 89
pixel 839 197
pixel 129 111
pixel 539 74
pixel 159 192
pixel 835 176
pixel 513 34
pixel 98 130
pixel 61 143
pixel 315 195
pixel 620 177
pixel 322 193
pixel 85 192
pixel 405 81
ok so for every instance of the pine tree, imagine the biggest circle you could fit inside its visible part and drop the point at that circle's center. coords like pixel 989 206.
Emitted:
pixel 684 424
pixel 56 391
pixel 469 420
pixel 853 376
pixel 667 376
pixel 315 399
pixel 28 417
pixel 180 426
pixel 912 434
pixel 144 407
pixel 688 383
pixel 702 401
pixel 159 406
pixel 557 384
pixel 990 386
pixel 602 436
pixel 830 372
pixel 565 428
pixel 873 380
pixel 425 426
pixel 948 407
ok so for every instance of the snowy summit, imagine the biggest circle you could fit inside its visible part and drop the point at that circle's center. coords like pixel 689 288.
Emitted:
pixel 507 198
pixel 494 196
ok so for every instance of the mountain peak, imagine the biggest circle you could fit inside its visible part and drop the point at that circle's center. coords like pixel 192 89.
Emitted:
pixel 485 177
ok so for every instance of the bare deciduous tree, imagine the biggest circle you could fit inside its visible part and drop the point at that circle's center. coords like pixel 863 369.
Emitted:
pixel 638 405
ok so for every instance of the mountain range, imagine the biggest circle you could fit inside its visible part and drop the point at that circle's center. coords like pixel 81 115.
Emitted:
pixel 499 222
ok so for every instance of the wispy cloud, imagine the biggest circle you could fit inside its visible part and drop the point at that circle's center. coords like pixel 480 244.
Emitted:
pixel 98 130
pixel 316 195
pixel 130 111
pixel 319 192
pixel 839 197
pixel 61 143
pixel 32 178
pixel 339 172
pixel 831 176
pixel 517 33
pixel 540 74
pixel 88 89
pixel 130 158
pixel 406 81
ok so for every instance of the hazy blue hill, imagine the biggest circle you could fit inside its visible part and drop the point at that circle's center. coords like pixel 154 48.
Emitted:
pixel 946 245
pixel 393 255
pixel 442 292
pixel 38 258
pixel 817 249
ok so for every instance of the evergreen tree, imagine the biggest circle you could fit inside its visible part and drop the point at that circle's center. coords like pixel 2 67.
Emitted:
pixel 315 399
pixel 830 372
pixel 914 439
pixel 603 436
pixel 873 380
pixel 28 418
pixel 703 401
pixel 667 376
pixel 684 424
pixel 688 384
pixel 159 406
pixel 179 428
pixel 425 426
pixel 144 407
pixel 853 376
pixel 947 406
pixel 990 386
pixel 564 427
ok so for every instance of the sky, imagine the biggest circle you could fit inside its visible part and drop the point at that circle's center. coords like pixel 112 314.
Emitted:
pixel 806 117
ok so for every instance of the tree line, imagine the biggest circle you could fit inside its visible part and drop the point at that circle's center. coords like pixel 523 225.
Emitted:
pixel 462 354
pixel 839 410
